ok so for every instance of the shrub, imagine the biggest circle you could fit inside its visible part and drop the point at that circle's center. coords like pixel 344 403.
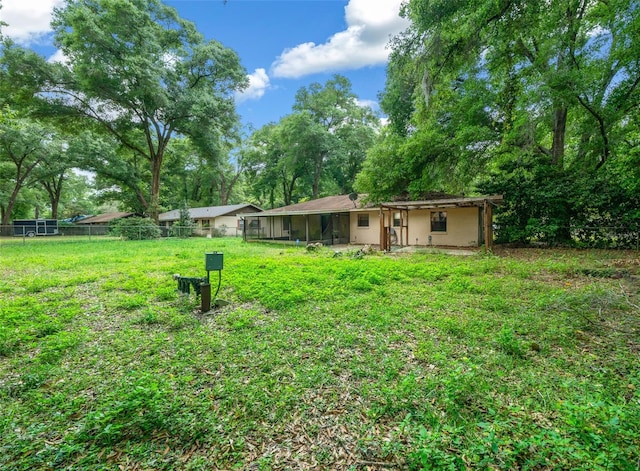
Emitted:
pixel 185 225
pixel 219 231
pixel 135 228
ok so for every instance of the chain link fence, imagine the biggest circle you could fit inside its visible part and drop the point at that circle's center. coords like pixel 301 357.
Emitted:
pixel 8 234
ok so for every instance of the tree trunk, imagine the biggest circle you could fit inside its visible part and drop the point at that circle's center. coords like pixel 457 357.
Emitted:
pixel 559 132
pixel 10 203
pixel 227 187
pixel 316 177
pixel 55 202
pixel 54 189
pixel 224 196
pixel 153 208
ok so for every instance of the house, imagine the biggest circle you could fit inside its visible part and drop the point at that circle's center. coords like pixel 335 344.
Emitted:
pixel 103 219
pixel 227 220
pixel 458 222
pixel 326 220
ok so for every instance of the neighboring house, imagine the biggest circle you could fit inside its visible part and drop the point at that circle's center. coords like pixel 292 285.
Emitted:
pixel 226 219
pixel 103 219
pixel 458 222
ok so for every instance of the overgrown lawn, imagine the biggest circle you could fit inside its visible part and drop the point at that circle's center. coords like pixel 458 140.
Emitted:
pixel 522 359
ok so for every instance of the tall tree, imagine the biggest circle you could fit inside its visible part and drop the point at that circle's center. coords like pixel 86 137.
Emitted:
pixel 527 91
pixel 25 147
pixel 275 161
pixel 338 118
pixel 121 174
pixel 145 74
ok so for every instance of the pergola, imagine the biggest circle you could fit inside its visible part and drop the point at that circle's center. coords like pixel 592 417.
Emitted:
pixel 403 207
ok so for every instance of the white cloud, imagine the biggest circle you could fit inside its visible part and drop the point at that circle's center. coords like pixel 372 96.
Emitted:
pixel 370 25
pixel 28 20
pixel 258 84
pixel 367 104
pixel 58 56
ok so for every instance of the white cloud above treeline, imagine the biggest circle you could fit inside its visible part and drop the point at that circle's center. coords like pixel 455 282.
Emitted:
pixel 28 20
pixel 258 83
pixel 370 26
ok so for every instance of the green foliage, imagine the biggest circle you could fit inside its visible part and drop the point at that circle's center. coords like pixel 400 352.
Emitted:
pixel 29 151
pixel 185 225
pixel 523 102
pixel 315 151
pixel 135 228
pixel 509 343
pixel 183 84
pixel 138 407
pixel 552 206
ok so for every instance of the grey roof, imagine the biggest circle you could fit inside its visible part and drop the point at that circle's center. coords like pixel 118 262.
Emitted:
pixel 210 212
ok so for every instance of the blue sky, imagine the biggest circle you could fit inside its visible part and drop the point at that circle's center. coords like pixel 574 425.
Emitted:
pixel 283 44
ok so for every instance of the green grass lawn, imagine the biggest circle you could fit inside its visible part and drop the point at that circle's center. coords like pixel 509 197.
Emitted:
pixel 522 359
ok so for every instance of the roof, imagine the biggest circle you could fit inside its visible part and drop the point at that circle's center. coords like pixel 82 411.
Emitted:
pixel 329 204
pixel 444 203
pixel 104 218
pixel 344 203
pixel 209 212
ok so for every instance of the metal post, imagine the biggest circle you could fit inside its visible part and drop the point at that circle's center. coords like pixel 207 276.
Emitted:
pixel 205 297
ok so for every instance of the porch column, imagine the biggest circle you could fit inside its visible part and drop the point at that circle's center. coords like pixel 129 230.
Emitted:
pixel 488 225
pixel 383 240
pixel 407 225
pixel 306 227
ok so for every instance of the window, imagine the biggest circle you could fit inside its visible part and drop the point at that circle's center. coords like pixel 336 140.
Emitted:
pixel 363 220
pixel 286 223
pixel 438 221
pixel 206 223
pixel 396 219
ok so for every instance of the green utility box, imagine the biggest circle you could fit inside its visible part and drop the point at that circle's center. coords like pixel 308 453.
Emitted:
pixel 213 261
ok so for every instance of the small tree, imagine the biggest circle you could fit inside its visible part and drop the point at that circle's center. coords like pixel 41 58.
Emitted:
pixel 185 226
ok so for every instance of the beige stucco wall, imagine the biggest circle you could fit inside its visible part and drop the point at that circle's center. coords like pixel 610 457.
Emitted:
pixel 365 235
pixel 462 227
pixel 231 222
